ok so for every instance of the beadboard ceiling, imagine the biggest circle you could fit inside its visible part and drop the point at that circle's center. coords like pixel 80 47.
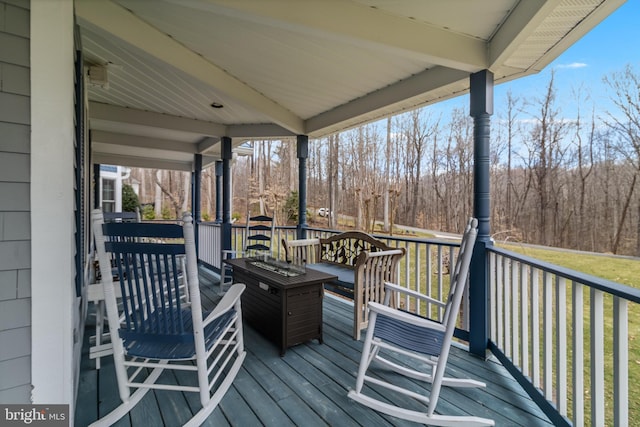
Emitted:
pixel 281 68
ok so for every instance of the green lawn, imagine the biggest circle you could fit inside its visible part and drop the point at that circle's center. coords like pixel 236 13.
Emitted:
pixel 617 269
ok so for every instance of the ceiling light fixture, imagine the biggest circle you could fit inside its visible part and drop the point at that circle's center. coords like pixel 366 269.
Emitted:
pixel 216 105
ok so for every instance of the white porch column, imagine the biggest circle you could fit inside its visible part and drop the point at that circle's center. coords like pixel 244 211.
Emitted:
pixel 52 220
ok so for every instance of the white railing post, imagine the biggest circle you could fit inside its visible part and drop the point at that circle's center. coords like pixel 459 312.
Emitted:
pixel 524 319
pixel 535 327
pixel 500 299
pixel 548 337
pixel 492 297
pixel 507 306
pixel 578 353
pixel 620 362
pixel 597 358
pixel 561 344
pixel 515 314
pixel 429 275
pixel 440 280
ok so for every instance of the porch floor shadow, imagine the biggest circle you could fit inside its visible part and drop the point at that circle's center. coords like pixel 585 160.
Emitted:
pixel 307 387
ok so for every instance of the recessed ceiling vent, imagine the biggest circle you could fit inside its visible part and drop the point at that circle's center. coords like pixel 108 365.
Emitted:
pixel 98 76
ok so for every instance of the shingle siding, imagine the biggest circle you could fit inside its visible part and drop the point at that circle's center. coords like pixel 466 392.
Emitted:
pixel 15 216
pixel 16 226
pixel 15 108
pixel 14 49
pixel 15 167
pixel 15 138
pixel 17 20
pixel 8 287
pixel 15 343
pixel 14 196
pixel 20 394
pixel 15 314
pixel 12 371
pixel 15 79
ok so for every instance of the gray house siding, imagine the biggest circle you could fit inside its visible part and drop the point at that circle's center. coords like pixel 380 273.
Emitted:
pixel 15 227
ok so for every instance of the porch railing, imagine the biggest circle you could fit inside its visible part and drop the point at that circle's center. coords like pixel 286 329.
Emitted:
pixel 210 251
pixel 565 336
pixel 425 268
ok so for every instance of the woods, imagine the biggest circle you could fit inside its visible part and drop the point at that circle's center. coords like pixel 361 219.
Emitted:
pixel 555 180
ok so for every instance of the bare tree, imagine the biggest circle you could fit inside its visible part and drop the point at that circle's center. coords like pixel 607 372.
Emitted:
pixel 334 150
pixel 546 137
pixel 514 106
pixel 625 123
pixel 584 158
pixel 172 186
pixel 387 177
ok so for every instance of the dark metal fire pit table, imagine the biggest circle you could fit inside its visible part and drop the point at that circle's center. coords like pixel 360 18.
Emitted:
pixel 283 305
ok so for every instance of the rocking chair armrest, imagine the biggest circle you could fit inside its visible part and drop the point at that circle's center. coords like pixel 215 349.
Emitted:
pixel 405 317
pixel 228 301
pixel 391 287
pixel 235 253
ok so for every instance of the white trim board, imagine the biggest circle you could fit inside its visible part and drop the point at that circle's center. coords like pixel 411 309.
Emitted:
pixel 52 200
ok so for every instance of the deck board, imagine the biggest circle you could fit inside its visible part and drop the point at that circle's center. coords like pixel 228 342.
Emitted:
pixel 306 387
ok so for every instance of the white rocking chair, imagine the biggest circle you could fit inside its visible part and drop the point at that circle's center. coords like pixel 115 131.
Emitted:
pixel 422 339
pixel 160 325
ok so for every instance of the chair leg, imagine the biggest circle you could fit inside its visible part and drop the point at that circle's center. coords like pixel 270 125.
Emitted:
pixel 367 353
pixel 99 328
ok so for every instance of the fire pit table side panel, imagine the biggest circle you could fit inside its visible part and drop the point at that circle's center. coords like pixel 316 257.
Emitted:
pixel 285 310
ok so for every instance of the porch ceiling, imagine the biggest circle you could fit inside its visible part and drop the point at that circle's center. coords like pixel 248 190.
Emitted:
pixel 287 67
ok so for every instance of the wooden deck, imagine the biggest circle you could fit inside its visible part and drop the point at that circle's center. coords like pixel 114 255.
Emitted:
pixel 307 387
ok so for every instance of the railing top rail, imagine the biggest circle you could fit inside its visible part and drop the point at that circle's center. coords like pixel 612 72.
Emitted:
pixel 440 242
pixel 604 285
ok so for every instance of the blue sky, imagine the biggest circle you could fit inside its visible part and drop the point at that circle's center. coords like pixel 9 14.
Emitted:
pixel 608 48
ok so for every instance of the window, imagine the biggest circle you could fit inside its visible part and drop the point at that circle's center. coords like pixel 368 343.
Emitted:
pixel 108 195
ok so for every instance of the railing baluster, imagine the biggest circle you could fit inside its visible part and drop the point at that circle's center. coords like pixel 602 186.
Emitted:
pixel 524 319
pixel 407 282
pixel 620 362
pixel 597 358
pixel 561 344
pixel 429 275
pixel 515 314
pixel 578 353
pixel 417 277
pixel 440 280
pixel 500 299
pixel 548 337
pixel 535 326
pixel 507 306
pixel 492 297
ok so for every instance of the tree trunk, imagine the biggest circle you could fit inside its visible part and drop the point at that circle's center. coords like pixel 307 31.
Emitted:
pixel 387 177
pixel 186 188
pixel 625 209
pixel 158 195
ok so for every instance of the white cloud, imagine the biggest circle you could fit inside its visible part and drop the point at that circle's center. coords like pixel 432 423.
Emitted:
pixel 573 65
